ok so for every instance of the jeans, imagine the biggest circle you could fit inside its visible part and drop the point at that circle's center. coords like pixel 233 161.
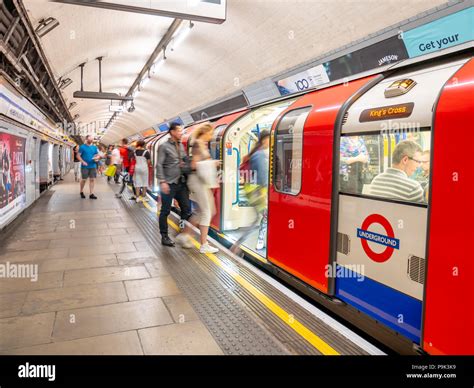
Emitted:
pixel 180 192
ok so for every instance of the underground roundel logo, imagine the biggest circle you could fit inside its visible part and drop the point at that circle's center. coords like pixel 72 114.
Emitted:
pixel 387 240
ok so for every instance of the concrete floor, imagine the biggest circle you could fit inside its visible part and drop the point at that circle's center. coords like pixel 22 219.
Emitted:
pixel 100 287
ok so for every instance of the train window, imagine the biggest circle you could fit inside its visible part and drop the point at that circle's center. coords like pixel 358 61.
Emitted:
pixel 215 143
pixel 394 166
pixel 289 151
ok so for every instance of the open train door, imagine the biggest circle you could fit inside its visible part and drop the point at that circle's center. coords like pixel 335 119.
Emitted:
pixel 216 151
pixel 300 190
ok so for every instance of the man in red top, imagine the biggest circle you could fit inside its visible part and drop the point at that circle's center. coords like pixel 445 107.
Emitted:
pixel 125 155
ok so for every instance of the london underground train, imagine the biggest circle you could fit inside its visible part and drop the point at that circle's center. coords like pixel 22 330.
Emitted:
pixel 340 226
pixel 34 154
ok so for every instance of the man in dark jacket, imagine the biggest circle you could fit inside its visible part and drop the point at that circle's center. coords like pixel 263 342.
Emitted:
pixel 171 168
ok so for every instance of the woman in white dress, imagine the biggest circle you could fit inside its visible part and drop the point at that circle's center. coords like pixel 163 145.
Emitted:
pixel 200 188
pixel 140 174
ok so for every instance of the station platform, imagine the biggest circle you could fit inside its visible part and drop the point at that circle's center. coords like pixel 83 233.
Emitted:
pixel 106 285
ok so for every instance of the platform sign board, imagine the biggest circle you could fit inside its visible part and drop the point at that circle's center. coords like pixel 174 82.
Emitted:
pixel 448 31
pixel 208 11
pixel 12 176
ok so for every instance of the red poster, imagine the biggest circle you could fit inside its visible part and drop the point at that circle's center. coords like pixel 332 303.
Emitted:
pixel 12 175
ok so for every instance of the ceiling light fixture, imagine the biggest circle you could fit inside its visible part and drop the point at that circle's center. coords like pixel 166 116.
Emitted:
pixel 160 62
pixel 45 26
pixel 181 35
pixel 65 83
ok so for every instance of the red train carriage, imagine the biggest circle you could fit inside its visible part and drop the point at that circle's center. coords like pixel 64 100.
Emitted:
pixel 335 227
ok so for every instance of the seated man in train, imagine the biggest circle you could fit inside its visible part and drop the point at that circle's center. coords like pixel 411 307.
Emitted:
pixel 395 183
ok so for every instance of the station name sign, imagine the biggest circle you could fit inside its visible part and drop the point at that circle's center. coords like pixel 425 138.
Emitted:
pixel 387 112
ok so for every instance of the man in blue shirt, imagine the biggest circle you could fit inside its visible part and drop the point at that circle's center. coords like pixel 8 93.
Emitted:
pixel 88 155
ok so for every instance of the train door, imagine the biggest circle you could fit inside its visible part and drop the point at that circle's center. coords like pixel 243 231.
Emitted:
pixel 31 171
pixel 55 160
pixel 216 150
pixel 383 191
pixel 239 219
pixel 300 191
pixel 37 166
pixel 215 147
pixel 45 168
pixel 63 160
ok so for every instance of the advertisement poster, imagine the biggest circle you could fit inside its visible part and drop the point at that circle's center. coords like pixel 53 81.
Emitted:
pixel 304 80
pixel 383 53
pixel 443 33
pixel 12 176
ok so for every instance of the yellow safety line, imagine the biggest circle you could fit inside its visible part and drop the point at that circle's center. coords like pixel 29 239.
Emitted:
pixel 297 326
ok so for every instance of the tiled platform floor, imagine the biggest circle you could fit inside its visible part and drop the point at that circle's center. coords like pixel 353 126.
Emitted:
pixel 100 288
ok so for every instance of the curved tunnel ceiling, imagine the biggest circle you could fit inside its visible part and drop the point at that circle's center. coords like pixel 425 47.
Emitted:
pixel 258 40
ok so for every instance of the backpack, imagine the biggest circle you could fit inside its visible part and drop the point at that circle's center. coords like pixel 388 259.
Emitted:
pixel 141 161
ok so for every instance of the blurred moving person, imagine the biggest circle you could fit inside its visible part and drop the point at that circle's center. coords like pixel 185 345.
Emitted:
pixel 77 163
pixel 101 160
pixel 199 186
pixel 142 162
pixel 117 162
pixel 256 189
pixel 108 159
pixel 127 156
pixel 172 167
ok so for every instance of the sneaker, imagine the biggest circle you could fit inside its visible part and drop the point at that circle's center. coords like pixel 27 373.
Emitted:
pixel 133 198
pixel 92 196
pixel 118 195
pixel 82 195
pixel 166 241
pixel 184 240
pixel 138 200
pixel 206 248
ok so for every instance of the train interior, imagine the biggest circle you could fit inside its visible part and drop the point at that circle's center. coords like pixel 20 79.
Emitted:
pixel 240 220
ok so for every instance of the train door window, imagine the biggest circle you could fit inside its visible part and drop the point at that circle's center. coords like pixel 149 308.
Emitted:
pixel 289 151
pixel 215 143
pixel 393 166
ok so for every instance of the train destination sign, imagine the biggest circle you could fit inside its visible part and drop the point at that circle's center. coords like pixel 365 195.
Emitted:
pixel 387 112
